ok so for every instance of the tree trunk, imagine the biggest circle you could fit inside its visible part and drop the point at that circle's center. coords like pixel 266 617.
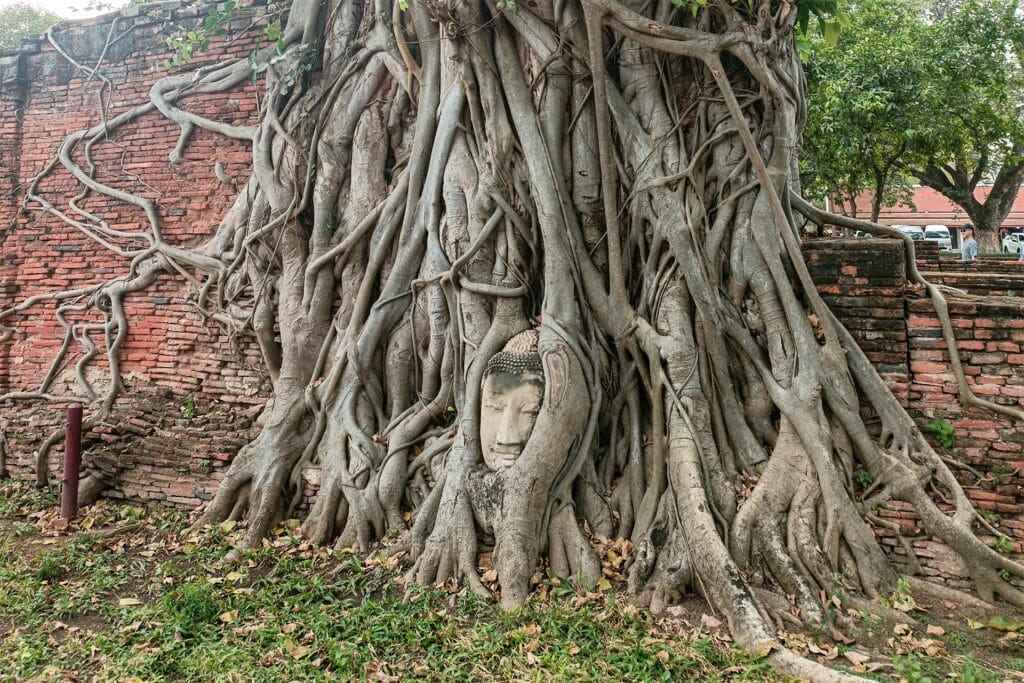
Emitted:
pixel 987 216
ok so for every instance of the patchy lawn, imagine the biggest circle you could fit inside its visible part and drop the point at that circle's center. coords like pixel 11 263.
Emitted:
pixel 129 593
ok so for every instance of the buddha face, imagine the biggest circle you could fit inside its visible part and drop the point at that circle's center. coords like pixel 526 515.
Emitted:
pixel 508 410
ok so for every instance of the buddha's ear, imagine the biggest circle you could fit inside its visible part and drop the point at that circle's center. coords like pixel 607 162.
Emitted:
pixel 556 376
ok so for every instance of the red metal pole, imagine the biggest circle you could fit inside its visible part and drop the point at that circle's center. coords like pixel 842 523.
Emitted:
pixel 72 463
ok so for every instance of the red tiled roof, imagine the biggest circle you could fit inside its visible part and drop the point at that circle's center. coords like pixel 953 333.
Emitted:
pixel 932 208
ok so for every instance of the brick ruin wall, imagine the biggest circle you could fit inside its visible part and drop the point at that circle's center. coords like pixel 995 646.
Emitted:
pixel 194 393
pixel 864 282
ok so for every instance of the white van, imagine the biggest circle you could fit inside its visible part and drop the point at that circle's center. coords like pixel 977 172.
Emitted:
pixel 939 234
pixel 1012 242
pixel 916 232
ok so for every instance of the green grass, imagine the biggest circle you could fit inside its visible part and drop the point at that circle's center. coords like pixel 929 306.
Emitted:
pixel 132 594
pixel 154 604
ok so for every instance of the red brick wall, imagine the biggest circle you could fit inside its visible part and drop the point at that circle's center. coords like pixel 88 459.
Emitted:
pixel 171 351
pixel 990 335
pixel 856 278
pixel 986 277
pixel 864 283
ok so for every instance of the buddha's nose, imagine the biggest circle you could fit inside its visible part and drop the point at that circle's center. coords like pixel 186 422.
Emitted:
pixel 508 431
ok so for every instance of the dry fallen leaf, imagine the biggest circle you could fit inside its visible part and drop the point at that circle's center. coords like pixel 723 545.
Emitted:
pixel 840 637
pixel 129 602
pixel 934 630
pixel 709 622
pixel 1010 637
pixel 1004 624
pixel 904 603
pixel 857 658
pixel 295 651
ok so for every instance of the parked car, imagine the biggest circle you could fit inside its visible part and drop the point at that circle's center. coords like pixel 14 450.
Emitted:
pixel 939 234
pixel 916 232
pixel 1012 242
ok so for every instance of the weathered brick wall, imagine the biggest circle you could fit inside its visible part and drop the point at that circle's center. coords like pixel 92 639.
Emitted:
pixel 990 336
pixel 856 278
pixel 864 282
pixel 984 277
pixel 207 385
pixel 988 277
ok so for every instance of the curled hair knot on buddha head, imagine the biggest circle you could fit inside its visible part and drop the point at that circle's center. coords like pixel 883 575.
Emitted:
pixel 519 361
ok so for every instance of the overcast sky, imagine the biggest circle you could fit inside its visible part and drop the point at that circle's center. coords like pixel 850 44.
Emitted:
pixel 71 9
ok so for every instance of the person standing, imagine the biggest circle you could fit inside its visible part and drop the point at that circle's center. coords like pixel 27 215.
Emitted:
pixel 968 247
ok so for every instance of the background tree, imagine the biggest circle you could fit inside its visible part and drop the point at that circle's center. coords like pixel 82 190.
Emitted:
pixel 863 116
pixel 577 219
pixel 22 20
pixel 925 92
pixel 980 96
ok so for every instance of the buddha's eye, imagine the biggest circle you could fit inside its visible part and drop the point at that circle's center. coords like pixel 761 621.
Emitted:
pixel 531 409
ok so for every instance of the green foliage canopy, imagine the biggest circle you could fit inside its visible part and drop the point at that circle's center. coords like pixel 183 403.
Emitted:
pixel 22 20
pixel 862 96
pixel 918 90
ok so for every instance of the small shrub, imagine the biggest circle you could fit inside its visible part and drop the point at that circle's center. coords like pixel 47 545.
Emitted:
pixel 50 567
pixel 901 598
pixel 1002 545
pixel 863 478
pixel 910 669
pixel 193 607
pixel 973 672
pixel 942 430
pixel 1000 471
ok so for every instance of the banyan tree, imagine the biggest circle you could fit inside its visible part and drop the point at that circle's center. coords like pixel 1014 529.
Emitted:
pixel 527 273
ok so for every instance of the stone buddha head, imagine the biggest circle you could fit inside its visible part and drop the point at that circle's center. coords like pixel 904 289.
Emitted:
pixel 511 396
